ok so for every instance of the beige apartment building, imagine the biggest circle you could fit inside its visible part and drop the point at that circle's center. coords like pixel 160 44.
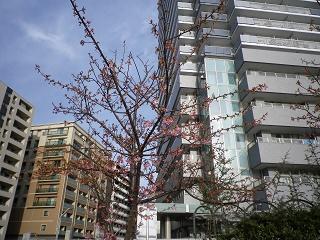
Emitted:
pixel 57 205
pixel 15 122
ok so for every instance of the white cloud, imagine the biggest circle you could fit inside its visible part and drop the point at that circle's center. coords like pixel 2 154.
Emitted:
pixel 54 41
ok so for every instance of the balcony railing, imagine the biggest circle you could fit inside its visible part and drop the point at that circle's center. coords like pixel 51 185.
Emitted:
pixel 185 19
pixel 54 154
pixel 215 32
pixel 81 210
pixel 214 16
pixel 66 220
pixel 273 23
pixel 280 42
pixel 56 132
pixel 210 2
pixel 277 8
pixel 185 5
pixel 67 206
pixel 288 76
pixel 84 188
pixel 55 142
pixel 304 141
pixel 47 190
pixel 71 182
pixel 218 51
pixel 78 234
pixel 50 178
pixel 187 49
pixel 82 199
pixel 188 34
pixel 44 203
pixel 70 194
pixel 190 67
pixel 79 222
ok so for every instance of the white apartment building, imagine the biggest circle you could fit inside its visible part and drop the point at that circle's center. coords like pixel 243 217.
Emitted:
pixel 248 43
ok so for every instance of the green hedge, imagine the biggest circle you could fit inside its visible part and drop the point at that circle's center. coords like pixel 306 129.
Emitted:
pixel 282 224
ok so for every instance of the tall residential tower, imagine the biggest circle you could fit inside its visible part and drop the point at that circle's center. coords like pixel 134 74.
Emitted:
pixel 15 121
pixel 248 43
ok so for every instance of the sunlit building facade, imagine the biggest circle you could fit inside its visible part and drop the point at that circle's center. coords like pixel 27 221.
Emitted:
pixel 248 44
pixel 60 206
pixel 15 122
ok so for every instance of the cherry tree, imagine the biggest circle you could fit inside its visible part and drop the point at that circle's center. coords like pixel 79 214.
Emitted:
pixel 124 101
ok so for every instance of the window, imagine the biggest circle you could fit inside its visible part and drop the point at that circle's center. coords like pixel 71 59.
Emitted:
pixel 51 201
pixel 240 140
pixel 46 213
pixel 43 227
pixel 232 78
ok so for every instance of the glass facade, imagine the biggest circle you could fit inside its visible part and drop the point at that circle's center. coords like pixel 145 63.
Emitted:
pixel 222 83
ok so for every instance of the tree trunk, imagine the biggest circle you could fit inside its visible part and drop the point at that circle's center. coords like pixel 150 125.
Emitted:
pixel 134 198
pixel 132 221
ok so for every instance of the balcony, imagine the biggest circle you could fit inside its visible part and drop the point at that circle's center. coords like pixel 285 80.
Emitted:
pixel 217 51
pixel 56 142
pixel 20 127
pixel 82 199
pixel 47 190
pixel 92 204
pixel 81 211
pixel 92 214
pixel 84 188
pixel 222 33
pixel 206 5
pixel 189 36
pixel 15 150
pixel 277 8
pixel 280 42
pixel 185 5
pixel 11 161
pixel 78 234
pixel 189 67
pixel 90 226
pixel 44 203
pixel 67 206
pixel 185 19
pixel 25 106
pixel 9 175
pixel 278 116
pixel 267 152
pixel 187 50
pixel 22 120
pixel 49 178
pixel 70 195
pixel 276 83
pixel 71 182
pixel 214 16
pixel 79 223
pixel 53 154
pixel 66 220
pixel 285 29
pixel 57 132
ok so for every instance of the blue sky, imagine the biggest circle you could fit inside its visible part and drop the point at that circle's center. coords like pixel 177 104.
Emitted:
pixel 44 32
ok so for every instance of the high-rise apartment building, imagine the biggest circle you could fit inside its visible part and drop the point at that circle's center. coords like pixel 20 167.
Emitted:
pixel 15 121
pixel 247 43
pixel 59 205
